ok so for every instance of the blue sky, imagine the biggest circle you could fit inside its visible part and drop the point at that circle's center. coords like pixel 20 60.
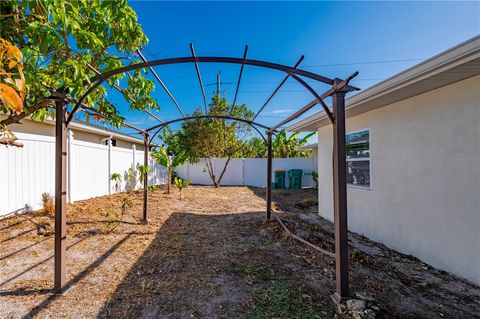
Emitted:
pixel 378 39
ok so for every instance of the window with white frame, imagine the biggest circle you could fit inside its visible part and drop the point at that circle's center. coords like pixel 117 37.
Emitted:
pixel 358 158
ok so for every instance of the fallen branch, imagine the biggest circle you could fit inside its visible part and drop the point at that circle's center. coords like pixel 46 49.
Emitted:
pixel 10 141
pixel 323 251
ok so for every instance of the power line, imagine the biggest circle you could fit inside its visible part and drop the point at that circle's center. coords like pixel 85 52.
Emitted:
pixel 177 75
pixel 366 62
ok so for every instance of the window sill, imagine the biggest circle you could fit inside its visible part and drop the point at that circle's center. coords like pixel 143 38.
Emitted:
pixel 368 188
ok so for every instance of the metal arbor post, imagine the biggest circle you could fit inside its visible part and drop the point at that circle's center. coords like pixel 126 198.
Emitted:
pixel 145 178
pixel 60 195
pixel 338 91
pixel 269 175
pixel 340 198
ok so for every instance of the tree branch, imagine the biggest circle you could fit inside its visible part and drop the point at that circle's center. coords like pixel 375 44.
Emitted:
pixel 10 141
pixel 224 169
pixel 15 118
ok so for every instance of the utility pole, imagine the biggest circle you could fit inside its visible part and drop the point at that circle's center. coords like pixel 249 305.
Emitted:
pixel 218 83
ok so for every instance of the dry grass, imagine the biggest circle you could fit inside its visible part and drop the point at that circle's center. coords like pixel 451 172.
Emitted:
pixel 48 203
pixel 210 255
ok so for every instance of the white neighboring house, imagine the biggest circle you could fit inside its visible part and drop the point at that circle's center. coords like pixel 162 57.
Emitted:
pixel 413 158
pixel 82 131
pixel 29 171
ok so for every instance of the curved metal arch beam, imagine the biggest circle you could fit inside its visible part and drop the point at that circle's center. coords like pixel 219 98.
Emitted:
pixel 287 69
pixel 224 117
pixel 314 93
pixel 215 59
pixel 252 124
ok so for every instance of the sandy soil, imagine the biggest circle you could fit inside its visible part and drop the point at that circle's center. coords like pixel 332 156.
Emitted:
pixel 210 255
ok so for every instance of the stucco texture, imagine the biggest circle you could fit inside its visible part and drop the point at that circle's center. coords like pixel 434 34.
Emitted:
pixel 425 177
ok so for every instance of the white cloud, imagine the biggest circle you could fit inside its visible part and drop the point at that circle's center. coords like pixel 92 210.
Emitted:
pixel 281 111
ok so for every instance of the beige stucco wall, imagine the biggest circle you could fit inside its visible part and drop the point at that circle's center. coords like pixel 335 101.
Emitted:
pixel 32 127
pixel 425 175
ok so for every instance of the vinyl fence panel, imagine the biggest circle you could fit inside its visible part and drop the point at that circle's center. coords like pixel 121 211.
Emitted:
pixel 26 173
pixel 89 170
pixel 157 174
pixel 197 173
pixel 30 171
pixel 255 172
pixel 122 160
pixel 234 172
pixel 245 171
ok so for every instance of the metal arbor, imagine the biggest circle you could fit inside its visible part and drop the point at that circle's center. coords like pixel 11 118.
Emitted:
pixel 339 88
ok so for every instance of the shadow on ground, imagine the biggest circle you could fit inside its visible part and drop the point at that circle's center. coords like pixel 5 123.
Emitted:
pixel 211 255
pixel 402 285
pixel 215 266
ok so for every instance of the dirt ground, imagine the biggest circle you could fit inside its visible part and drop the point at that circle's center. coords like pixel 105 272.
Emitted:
pixel 209 255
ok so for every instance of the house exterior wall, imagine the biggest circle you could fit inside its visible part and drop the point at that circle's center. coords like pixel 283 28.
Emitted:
pixel 424 198
pixel 38 128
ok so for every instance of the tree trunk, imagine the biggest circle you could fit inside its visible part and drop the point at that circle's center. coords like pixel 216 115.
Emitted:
pixel 223 171
pixel 209 164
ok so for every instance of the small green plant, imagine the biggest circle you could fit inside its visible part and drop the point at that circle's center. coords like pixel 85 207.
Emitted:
pixel 131 178
pixel 48 204
pixel 315 178
pixel 112 219
pixel 143 169
pixel 181 184
pixel 117 178
pixel 152 188
pixel 170 162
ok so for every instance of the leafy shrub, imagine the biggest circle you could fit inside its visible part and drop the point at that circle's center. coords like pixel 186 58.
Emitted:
pixel 143 169
pixel 152 187
pixel 315 178
pixel 181 184
pixel 117 178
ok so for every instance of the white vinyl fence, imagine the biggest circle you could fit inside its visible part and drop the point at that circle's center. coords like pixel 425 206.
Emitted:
pixel 246 171
pixel 28 172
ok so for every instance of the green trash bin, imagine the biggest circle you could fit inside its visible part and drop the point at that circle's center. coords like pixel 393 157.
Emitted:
pixel 280 179
pixel 295 178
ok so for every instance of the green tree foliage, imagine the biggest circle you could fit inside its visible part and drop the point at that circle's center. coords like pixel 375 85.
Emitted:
pixel 170 162
pixel 257 148
pixel 214 138
pixel 283 146
pixel 61 43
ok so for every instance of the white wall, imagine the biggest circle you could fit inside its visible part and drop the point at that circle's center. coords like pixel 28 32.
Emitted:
pixel 28 172
pixel 89 170
pixel 245 171
pixel 425 175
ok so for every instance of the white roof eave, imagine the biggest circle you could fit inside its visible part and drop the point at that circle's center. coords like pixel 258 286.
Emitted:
pixel 465 52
